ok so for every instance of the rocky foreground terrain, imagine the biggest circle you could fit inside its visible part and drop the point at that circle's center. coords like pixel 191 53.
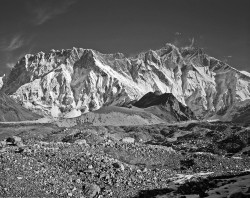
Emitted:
pixel 188 159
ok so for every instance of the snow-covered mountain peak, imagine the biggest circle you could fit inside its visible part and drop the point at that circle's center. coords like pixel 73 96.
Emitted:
pixel 82 80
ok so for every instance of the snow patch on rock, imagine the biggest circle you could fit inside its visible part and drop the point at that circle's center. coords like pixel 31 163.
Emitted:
pixel 1 81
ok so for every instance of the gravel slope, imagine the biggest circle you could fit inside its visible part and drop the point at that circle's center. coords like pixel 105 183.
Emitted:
pixel 92 161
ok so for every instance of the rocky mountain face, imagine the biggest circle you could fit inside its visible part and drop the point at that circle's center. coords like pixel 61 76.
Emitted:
pixel 165 106
pixel 75 81
pixel 10 111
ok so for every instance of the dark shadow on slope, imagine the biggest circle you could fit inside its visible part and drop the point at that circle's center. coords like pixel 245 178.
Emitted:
pixel 165 106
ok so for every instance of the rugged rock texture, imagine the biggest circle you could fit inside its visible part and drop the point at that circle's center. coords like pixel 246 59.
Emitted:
pixel 72 81
pixel 11 111
pixel 238 112
pixel 182 160
pixel 165 106
pixel 242 114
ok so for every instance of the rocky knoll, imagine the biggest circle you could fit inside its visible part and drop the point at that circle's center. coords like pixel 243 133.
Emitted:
pixel 152 108
pixel 165 106
pixel 73 81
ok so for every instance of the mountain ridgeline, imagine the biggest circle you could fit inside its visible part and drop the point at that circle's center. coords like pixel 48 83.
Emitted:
pixel 75 81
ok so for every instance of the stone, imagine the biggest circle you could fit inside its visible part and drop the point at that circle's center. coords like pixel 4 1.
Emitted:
pixel 91 190
pixel 128 140
pixel 118 166
pixel 2 144
pixel 81 142
pixel 15 141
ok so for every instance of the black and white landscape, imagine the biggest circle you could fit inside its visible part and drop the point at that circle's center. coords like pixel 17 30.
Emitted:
pixel 92 122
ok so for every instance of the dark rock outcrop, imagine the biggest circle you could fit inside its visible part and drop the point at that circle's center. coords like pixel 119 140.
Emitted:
pixel 165 106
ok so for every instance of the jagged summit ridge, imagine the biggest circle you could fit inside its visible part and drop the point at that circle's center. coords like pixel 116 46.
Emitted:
pixel 74 81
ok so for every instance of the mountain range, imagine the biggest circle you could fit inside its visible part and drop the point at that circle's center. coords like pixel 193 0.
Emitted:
pixel 71 82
